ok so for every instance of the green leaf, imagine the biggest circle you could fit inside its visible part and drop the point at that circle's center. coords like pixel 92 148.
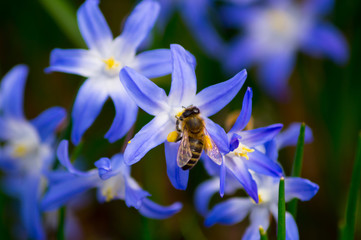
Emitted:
pixel 281 226
pixel 348 230
pixel 297 166
pixel 65 16
pixel 263 233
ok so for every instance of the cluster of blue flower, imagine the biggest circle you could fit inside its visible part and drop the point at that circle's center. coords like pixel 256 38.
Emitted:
pixel 243 158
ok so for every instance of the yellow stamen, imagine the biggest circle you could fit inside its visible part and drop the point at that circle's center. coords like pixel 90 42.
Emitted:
pixel 207 142
pixel 260 201
pixel 172 136
pixel 20 151
pixel 129 141
pixel 243 151
pixel 111 63
pixel 108 194
pixel 179 114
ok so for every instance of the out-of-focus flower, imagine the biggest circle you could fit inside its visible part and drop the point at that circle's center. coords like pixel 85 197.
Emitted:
pixel 273 33
pixel 243 154
pixel 236 209
pixel 154 101
pixel 27 149
pixel 103 61
pixel 197 16
pixel 112 180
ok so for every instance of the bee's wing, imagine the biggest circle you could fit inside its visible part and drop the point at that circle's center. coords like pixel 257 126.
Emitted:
pixel 212 151
pixel 184 150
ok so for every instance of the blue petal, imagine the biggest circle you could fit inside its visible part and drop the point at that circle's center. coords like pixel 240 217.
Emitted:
pixel 242 52
pixel 272 150
pixel 152 210
pixel 139 23
pixel 105 169
pixel 184 81
pixel 259 217
pixel 229 212
pixel 325 40
pixel 212 99
pixel 154 63
pixel 259 136
pixel 196 15
pixel 76 61
pixel 150 136
pixel 246 112
pixel 238 17
pixel 94 27
pixel 291 228
pixel 241 173
pixel 319 7
pixel 218 135
pixel 30 211
pixel 177 176
pixel 125 114
pixel 222 176
pixel 300 188
pixel 134 195
pixel 88 104
pixel 289 136
pixel 60 193
pixel 203 195
pixel 47 122
pixel 146 94
pixel 274 73
pixel 260 163
pixel 12 92
pixel 63 155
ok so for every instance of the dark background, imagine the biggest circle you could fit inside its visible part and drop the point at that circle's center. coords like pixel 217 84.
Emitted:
pixel 325 96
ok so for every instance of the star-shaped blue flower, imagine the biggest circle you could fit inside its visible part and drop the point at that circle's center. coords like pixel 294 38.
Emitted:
pixel 273 33
pixel 27 148
pixel 154 101
pixel 243 154
pixel 103 61
pixel 111 178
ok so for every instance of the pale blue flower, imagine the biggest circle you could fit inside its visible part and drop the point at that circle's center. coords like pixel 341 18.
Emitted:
pixel 154 101
pixel 103 61
pixel 27 148
pixel 274 32
pixel 112 180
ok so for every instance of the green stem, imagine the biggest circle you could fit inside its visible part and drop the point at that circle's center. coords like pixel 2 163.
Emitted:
pixel 65 16
pixel 61 225
pixel 348 231
pixel 281 226
pixel 263 233
pixel 297 166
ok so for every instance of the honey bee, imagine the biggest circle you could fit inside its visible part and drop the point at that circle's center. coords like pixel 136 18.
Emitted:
pixel 194 139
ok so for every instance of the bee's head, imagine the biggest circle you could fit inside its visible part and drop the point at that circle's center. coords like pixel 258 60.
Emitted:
pixel 190 111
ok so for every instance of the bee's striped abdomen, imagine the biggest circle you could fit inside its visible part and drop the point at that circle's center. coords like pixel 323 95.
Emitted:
pixel 196 147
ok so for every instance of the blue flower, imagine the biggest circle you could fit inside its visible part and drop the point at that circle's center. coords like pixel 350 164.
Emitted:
pixel 236 209
pixel 111 178
pixel 154 101
pixel 103 61
pixel 196 15
pixel 27 149
pixel 243 154
pixel 273 33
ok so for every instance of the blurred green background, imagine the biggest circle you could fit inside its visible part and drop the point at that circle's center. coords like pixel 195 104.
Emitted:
pixel 325 96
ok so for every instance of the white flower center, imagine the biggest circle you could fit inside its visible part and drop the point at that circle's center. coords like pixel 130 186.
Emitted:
pixel 112 67
pixel 113 187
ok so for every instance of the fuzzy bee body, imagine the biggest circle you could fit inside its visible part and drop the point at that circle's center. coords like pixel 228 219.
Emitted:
pixel 193 135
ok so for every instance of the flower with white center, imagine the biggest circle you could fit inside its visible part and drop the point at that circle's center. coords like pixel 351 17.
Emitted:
pixel 273 33
pixel 154 101
pixel 27 148
pixel 243 154
pixel 236 209
pixel 111 178
pixel 103 61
